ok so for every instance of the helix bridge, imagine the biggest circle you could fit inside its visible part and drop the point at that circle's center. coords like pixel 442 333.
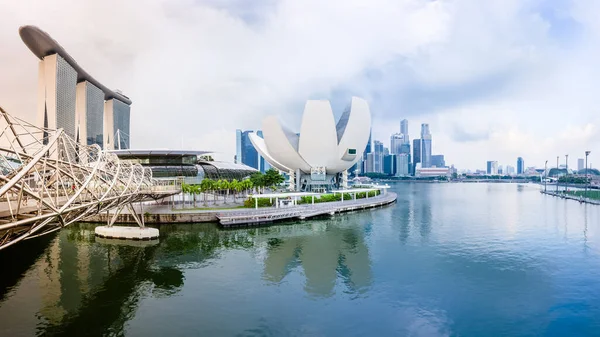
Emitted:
pixel 48 181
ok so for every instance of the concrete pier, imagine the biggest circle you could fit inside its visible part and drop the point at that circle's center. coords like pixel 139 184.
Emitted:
pixel 269 215
pixel 572 197
pixel 127 233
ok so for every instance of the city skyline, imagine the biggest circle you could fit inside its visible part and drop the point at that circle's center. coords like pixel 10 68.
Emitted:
pixel 482 102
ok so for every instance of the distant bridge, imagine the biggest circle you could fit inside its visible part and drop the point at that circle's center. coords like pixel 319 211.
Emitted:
pixel 48 181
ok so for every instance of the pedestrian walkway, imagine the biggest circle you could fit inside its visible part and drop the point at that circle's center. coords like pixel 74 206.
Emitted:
pixel 260 216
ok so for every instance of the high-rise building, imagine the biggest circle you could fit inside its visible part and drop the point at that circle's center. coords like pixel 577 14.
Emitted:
pixel 438 160
pixel 57 84
pixel 364 165
pixel 378 152
pixel 116 124
pixel 263 165
pixel 396 142
pixel 90 112
pixel 246 153
pixel 500 170
pixel 389 164
pixel 402 165
pixel 580 164
pixel 416 153
pixel 520 166
pixel 492 167
pixel 238 146
pixel 425 146
pixel 510 170
pixel 404 130
pixel 370 163
pixel 71 99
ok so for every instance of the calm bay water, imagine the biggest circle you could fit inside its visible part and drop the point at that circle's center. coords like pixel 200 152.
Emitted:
pixel 445 260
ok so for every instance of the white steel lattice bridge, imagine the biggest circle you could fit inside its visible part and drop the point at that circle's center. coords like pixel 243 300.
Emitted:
pixel 48 181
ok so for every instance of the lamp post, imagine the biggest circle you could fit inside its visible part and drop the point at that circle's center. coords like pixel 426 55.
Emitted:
pixel 557 158
pixel 587 153
pixel 566 172
pixel 545 175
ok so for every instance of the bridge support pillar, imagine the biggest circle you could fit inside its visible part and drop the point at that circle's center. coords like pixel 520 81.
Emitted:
pixel 127 233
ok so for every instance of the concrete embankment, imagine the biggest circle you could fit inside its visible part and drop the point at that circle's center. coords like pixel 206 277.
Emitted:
pixel 238 216
pixel 572 197
pixel 173 217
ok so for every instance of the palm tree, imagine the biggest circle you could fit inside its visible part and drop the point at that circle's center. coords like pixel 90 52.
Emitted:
pixel 205 185
pixel 248 185
pixel 195 190
pixel 184 189
pixel 234 185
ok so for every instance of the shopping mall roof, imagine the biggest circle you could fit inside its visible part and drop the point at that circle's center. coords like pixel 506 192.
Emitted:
pixel 159 152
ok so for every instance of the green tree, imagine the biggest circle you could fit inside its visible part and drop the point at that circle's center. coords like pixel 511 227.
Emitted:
pixel 273 178
pixel 205 186
pixel 234 185
pixel 258 180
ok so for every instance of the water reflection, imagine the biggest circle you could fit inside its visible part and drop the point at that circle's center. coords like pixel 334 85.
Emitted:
pixel 337 251
pixel 447 259
pixel 87 287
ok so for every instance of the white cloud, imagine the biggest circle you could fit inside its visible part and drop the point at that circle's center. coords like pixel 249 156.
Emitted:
pixel 498 69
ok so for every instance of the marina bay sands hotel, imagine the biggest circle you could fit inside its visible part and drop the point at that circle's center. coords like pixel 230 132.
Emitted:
pixel 71 99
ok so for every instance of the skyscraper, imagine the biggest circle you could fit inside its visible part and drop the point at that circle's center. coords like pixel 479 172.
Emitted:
pixel 246 154
pixel 580 164
pixel 363 168
pixel 425 146
pixel 263 165
pixel 520 166
pixel 404 130
pixel 396 142
pixel 438 160
pixel 402 165
pixel 90 112
pixel 69 98
pixel 238 146
pixel 56 94
pixel 510 170
pixel 378 153
pixel 116 124
pixel 389 164
pixel 492 167
pixel 416 153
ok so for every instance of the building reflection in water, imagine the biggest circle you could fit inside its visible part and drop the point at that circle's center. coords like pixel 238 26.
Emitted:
pixel 81 285
pixel 91 288
pixel 336 249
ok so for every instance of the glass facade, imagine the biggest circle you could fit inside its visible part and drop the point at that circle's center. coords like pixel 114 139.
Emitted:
pixel 66 82
pixel 416 153
pixel 426 153
pixel 520 166
pixel 249 154
pixel 389 164
pixel 121 118
pixel 94 110
pixel 438 160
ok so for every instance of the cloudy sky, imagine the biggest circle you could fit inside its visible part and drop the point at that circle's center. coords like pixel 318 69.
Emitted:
pixel 495 79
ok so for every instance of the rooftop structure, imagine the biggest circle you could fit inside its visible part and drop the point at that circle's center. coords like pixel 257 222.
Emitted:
pixel 187 165
pixel 69 98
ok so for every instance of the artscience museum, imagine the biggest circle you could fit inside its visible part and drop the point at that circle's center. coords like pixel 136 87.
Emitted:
pixel 317 158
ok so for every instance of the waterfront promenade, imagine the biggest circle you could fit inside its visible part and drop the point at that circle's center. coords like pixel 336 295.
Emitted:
pixel 245 216
pixel 572 197
pixel 248 217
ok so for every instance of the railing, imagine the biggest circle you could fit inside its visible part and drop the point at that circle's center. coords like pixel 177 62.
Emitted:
pixel 300 211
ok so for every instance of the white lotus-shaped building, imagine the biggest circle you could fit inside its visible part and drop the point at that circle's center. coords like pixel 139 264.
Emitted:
pixel 323 146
